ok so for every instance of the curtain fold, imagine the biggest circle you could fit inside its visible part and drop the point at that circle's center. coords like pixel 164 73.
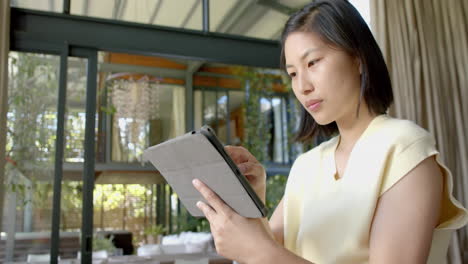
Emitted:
pixel 4 49
pixel 425 44
pixel 178 112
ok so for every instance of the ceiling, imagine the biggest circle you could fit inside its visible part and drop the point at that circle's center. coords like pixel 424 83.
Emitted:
pixel 253 18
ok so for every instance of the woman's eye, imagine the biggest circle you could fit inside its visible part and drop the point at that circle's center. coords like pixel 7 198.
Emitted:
pixel 312 63
pixel 292 74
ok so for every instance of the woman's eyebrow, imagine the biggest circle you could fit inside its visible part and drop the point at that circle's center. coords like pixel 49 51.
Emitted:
pixel 306 53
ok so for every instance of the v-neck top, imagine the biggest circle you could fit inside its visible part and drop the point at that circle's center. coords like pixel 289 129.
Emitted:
pixel 328 221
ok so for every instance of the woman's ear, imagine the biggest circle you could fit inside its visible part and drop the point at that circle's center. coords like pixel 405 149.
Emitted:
pixel 359 64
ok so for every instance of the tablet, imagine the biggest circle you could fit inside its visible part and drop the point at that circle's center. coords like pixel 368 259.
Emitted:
pixel 199 154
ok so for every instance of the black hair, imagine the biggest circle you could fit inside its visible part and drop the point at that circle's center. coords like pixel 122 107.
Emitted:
pixel 340 25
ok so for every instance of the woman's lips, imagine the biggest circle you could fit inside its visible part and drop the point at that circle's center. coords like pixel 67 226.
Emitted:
pixel 314 106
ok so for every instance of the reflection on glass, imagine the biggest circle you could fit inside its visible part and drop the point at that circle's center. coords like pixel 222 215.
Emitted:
pixel 266 110
pixel 221 116
pixel 225 105
pixel 275 115
pixel 30 153
pixel 144 113
pixel 75 118
pixel 236 116
pixel 210 109
pixel 198 106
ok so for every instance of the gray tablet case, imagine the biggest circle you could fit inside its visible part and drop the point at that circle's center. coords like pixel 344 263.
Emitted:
pixel 199 154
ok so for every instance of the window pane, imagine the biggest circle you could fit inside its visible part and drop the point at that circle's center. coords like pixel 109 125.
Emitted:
pixel 198 110
pixel 75 110
pixel 146 113
pixel 209 109
pixel 266 125
pixel 277 131
pixel 236 116
pixel 221 116
pixel 30 152
pixel 140 107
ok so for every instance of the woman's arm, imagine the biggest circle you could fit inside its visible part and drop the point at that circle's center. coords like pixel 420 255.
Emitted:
pixel 277 223
pixel 246 240
pixel 406 216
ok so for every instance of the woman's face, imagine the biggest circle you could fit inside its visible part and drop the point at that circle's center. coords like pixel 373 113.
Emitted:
pixel 324 79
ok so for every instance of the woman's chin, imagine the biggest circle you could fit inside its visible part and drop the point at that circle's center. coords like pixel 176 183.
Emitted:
pixel 321 119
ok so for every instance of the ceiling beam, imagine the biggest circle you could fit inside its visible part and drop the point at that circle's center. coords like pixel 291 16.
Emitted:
pixel 155 12
pixel 234 14
pixel 190 13
pixel 85 7
pixel 154 71
pixel 119 8
pixel 36 31
pixel 51 5
pixel 123 6
pixel 272 4
pixel 277 34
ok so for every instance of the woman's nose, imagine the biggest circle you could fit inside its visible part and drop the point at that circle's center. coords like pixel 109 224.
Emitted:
pixel 305 84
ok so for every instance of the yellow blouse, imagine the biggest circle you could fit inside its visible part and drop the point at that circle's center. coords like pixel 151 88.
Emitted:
pixel 327 221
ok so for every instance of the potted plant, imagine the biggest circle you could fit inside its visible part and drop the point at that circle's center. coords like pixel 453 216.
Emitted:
pixel 154 234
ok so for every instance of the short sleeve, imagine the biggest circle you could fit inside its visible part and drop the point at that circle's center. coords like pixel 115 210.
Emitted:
pixel 453 214
pixel 405 158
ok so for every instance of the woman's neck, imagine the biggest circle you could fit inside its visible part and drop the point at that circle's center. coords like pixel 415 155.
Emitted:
pixel 352 126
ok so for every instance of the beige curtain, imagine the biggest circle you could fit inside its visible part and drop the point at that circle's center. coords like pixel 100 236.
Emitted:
pixel 426 49
pixel 178 112
pixel 4 49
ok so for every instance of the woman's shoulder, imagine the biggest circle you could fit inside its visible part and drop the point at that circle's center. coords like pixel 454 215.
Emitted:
pixel 400 132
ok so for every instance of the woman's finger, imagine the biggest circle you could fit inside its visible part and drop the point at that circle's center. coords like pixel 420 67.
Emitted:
pixel 207 210
pixel 251 168
pixel 239 154
pixel 211 197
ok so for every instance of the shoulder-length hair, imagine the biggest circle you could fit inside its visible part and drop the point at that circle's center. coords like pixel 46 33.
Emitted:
pixel 340 25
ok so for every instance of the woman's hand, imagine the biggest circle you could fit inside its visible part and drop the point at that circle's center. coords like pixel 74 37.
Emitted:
pixel 250 168
pixel 245 240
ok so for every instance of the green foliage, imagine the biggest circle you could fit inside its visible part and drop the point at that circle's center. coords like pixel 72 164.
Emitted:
pixel 257 85
pixel 194 224
pixel 155 230
pixel 274 191
pixel 102 243
pixel 32 118
pixel 109 109
pixel 31 121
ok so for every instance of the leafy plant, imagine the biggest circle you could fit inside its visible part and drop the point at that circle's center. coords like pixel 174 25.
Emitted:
pixel 155 230
pixel 258 84
pixel 274 191
pixel 100 242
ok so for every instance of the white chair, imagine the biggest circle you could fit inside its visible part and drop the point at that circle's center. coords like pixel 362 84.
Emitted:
pixel 38 258
pixel 149 250
pixel 97 255
pixel 172 249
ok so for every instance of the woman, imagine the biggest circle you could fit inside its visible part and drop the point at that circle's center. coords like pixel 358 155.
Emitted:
pixel 375 193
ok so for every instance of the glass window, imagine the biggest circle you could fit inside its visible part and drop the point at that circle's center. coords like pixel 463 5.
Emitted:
pixel 143 103
pixel 255 103
pixel 146 112
pixel 30 153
